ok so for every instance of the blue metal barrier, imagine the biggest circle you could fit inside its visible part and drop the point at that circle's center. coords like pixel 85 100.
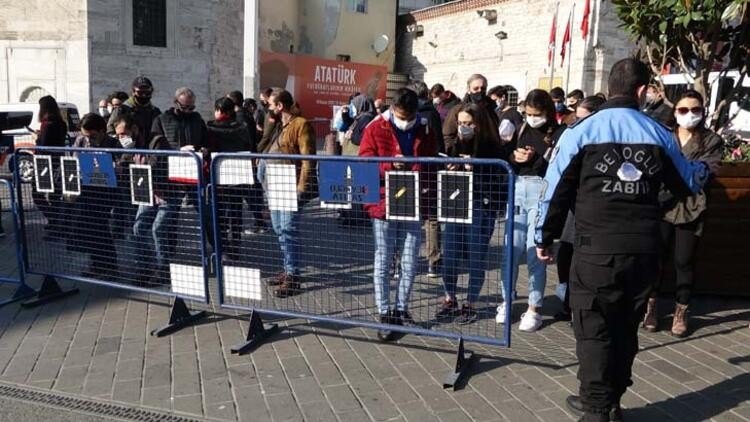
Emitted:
pixel 327 261
pixel 15 276
pixel 128 219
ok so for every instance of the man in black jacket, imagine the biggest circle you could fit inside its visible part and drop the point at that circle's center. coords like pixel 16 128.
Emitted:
pixel 140 107
pixel 227 134
pixel 244 117
pixel 657 108
pixel 183 127
pixel 609 167
pixel 427 110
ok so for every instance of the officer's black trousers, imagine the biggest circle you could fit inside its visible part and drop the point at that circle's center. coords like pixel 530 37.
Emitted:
pixel 608 295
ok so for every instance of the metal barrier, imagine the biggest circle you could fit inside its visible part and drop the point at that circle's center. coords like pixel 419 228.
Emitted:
pixel 326 255
pixel 129 219
pixel 12 271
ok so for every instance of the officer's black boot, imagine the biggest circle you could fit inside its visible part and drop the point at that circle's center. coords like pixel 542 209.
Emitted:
pixel 574 404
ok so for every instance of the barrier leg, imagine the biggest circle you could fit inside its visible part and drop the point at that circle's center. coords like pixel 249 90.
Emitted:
pixel 22 292
pixel 180 318
pixel 48 292
pixel 464 360
pixel 256 334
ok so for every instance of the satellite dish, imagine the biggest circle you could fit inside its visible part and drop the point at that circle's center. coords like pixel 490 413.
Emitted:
pixel 380 43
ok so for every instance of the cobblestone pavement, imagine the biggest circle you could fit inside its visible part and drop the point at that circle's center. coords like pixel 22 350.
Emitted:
pixel 96 345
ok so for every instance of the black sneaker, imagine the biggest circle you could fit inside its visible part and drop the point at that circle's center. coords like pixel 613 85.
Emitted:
pixel 563 316
pixel 383 334
pixel 448 310
pixel 402 317
pixel 432 271
pixel 468 315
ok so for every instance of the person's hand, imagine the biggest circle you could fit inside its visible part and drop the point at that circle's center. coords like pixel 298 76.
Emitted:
pixel 545 255
pixel 523 155
pixel 452 167
pixel 399 165
pixel 187 148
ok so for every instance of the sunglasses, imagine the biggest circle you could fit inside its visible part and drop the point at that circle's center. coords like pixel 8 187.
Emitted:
pixel 685 110
pixel 185 107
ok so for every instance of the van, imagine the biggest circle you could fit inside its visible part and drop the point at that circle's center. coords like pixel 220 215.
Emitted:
pixel 11 140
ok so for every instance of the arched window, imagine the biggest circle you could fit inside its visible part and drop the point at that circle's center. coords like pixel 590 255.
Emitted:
pixel 32 94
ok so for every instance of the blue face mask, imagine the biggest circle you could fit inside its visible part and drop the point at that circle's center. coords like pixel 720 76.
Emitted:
pixel 352 111
pixel 560 107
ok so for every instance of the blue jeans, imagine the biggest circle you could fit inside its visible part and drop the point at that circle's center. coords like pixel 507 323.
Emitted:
pixel 475 240
pixel 285 224
pixel 156 222
pixel 528 189
pixel 387 235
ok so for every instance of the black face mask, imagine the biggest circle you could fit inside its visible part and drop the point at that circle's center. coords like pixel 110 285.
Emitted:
pixel 142 99
pixel 476 97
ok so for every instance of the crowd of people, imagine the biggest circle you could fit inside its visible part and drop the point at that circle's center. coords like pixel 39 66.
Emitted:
pixel 613 191
pixel 421 122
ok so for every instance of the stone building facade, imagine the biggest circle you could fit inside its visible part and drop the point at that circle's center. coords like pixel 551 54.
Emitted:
pixel 449 42
pixel 82 50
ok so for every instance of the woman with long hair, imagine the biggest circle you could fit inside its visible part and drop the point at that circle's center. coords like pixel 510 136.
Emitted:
pixel 682 224
pixel 532 146
pixel 477 137
pixel 52 133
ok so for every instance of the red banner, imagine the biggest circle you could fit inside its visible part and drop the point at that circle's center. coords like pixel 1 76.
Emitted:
pixel 319 84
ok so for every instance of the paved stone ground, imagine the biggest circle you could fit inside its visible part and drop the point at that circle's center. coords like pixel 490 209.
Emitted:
pixel 97 344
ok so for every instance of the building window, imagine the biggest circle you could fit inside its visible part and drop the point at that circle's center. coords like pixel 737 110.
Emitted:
pixel 359 6
pixel 150 23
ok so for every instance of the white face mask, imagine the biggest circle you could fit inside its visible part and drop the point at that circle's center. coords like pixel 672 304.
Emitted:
pixel 127 142
pixel 465 132
pixel 403 125
pixel 436 100
pixel 689 120
pixel 103 111
pixel 536 121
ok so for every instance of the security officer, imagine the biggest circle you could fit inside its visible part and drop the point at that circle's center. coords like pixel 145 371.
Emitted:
pixel 608 169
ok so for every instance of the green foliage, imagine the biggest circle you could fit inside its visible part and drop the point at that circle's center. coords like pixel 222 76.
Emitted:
pixel 689 34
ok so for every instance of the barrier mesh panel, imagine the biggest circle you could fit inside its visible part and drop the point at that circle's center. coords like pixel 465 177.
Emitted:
pixel 132 218
pixel 371 240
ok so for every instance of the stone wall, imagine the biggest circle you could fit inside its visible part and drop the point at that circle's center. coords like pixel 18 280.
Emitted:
pixel 43 50
pixel 457 42
pixel 204 51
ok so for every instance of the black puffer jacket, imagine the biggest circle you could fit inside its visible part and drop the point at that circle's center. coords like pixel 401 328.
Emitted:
pixel 181 129
pixel 228 136
pixel 248 120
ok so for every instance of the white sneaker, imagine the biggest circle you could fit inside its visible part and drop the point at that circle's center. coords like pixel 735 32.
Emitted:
pixel 500 317
pixel 530 322
pixel 560 291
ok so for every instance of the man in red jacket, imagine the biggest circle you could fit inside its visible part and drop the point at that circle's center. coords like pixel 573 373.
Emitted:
pixel 398 132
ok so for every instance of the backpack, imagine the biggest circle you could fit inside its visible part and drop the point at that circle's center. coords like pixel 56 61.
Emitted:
pixel 354 134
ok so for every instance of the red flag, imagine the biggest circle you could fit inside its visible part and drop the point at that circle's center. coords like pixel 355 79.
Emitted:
pixel 552 40
pixel 585 21
pixel 566 39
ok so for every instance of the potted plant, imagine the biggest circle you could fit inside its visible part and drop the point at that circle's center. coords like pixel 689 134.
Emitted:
pixel 721 266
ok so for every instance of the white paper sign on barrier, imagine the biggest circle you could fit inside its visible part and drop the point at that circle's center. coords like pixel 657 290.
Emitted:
pixel 182 169
pixel 236 171
pixel 187 280
pixel 281 180
pixel 244 283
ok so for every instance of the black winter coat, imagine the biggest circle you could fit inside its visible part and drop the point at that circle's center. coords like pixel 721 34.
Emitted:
pixel 181 129
pixel 228 136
